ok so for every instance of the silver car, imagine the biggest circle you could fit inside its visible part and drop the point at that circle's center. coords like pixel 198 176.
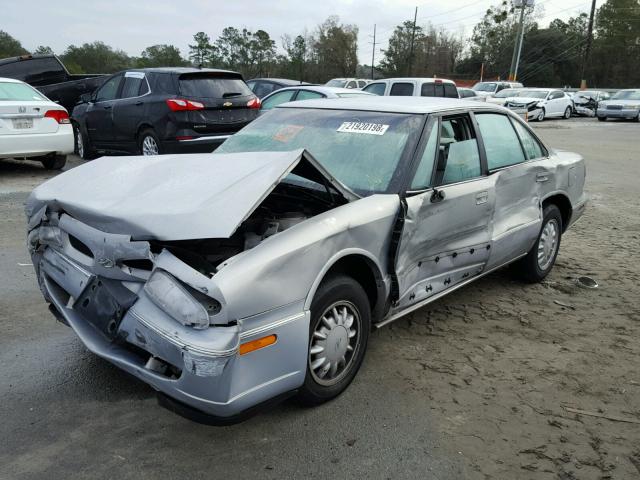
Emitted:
pixel 624 104
pixel 229 281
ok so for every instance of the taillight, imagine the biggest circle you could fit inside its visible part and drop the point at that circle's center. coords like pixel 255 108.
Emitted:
pixel 254 103
pixel 180 105
pixel 60 116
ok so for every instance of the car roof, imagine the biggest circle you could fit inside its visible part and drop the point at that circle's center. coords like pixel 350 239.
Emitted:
pixel 415 79
pixel 9 80
pixel 179 70
pixel 375 103
pixel 283 81
pixel 325 90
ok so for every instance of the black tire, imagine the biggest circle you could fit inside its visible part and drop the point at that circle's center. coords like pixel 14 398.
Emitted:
pixel 54 162
pixel 602 119
pixel 541 116
pixel 528 268
pixel 151 135
pixel 637 118
pixel 567 113
pixel 337 289
pixel 83 147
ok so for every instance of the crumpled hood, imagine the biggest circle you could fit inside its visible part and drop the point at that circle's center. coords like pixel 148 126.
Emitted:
pixel 168 197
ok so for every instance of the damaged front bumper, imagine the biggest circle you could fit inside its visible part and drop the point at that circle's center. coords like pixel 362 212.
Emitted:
pixel 199 373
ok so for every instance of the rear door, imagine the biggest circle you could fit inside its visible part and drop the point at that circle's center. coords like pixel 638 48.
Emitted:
pixel 99 113
pixel 225 97
pixel 130 108
pixel 445 238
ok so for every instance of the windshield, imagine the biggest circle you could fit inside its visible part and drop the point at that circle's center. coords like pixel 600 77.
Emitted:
pixel 541 94
pixel 485 87
pixel 627 95
pixel 336 82
pixel 363 150
pixel 19 91
pixel 507 92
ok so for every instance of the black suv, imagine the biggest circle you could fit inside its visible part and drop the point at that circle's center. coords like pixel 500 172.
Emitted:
pixel 151 111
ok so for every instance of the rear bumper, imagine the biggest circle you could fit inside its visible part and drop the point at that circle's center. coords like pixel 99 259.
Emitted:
pixel 627 113
pixel 37 144
pixel 204 144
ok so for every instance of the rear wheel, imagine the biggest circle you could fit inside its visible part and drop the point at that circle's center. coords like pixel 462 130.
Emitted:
pixel 537 264
pixel 338 335
pixel 54 162
pixel 148 143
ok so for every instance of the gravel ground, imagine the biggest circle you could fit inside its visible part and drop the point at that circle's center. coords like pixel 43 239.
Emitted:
pixel 483 384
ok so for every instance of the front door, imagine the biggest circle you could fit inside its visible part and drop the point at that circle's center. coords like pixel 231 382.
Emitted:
pixel 446 236
pixel 130 109
pixel 100 112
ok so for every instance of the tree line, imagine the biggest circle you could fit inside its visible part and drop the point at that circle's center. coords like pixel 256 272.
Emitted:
pixel 551 55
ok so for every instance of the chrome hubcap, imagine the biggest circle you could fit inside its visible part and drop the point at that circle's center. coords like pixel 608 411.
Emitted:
pixel 548 244
pixel 334 343
pixel 541 116
pixel 149 146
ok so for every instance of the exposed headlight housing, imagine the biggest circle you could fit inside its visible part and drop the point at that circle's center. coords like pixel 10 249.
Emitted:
pixel 174 298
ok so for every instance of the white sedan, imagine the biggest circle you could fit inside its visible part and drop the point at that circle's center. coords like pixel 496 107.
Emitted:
pixel 32 126
pixel 540 103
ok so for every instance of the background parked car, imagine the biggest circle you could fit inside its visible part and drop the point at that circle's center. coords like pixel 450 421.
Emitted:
pixel 501 97
pixel 624 104
pixel 311 92
pixel 585 103
pixel 162 110
pixel 264 86
pixel 49 76
pixel 540 103
pixel 470 94
pixel 416 87
pixel 491 88
pixel 347 82
pixel 32 126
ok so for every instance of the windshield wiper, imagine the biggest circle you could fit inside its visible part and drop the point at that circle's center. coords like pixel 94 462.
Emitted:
pixel 231 94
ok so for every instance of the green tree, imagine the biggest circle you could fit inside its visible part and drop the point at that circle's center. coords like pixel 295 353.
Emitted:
pixel 202 52
pixel 95 57
pixel 296 57
pixel 335 49
pixel 43 50
pixel 9 46
pixel 161 56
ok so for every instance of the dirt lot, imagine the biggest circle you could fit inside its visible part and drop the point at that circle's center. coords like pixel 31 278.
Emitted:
pixel 480 385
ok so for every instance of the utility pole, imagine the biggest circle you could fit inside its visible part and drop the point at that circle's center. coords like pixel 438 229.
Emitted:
pixel 413 37
pixel 587 50
pixel 373 51
pixel 515 58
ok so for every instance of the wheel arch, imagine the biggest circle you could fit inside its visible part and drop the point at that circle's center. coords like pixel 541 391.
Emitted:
pixel 143 126
pixel 563 203
pixel 363 267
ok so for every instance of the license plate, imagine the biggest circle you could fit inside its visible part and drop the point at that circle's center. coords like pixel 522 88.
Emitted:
pixel 22 123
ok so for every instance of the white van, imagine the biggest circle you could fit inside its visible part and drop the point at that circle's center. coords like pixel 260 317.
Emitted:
pixel 413 87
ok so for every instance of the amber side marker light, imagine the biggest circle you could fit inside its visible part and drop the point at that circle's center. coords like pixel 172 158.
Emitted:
pixel 257 344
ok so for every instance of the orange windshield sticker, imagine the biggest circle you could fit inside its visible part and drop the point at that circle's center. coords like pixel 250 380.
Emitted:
pixel 287 133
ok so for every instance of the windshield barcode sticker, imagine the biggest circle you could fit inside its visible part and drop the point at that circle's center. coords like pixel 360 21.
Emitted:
pixel 358 127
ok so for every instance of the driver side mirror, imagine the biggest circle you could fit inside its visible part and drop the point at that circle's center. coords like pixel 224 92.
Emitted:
pixel 86 98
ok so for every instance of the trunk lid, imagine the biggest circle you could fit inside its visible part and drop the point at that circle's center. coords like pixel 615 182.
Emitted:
pixel 174 197
pixel 26 117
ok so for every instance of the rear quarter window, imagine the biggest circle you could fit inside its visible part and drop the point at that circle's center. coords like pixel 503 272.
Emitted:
pixel 213 87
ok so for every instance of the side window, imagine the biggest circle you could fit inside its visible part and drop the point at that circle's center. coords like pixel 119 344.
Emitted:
pixel 109 89
pixel 133 82
pixel 252 85
pixel 375 88
pixel 531 146
pixel 450 91
pixel 555 95
pixel 458 156
pixel 422 178
pixel 262 89
pixel 277 98
pixel 362 83
pixel 428 90
pixel 352 84
pixel 401 89
pixel 308 95
pixel 501 143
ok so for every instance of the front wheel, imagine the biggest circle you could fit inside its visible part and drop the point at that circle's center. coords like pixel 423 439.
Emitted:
pixel 537 264
pixel 83 146
pixel 148 143
pixel 602 119
pixel 541 115
pixel 338 335
pixel 567 113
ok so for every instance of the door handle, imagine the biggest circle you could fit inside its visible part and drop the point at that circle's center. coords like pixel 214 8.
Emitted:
pixel 482 197
pixel 542 177
pixel 107 107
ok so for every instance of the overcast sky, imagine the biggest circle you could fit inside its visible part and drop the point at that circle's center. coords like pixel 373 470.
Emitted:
pixel 133 25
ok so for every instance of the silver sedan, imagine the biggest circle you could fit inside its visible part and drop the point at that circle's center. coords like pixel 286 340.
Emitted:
pixel 229 281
